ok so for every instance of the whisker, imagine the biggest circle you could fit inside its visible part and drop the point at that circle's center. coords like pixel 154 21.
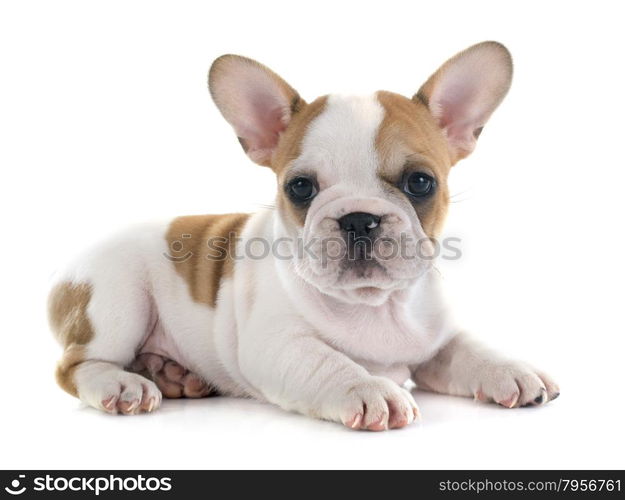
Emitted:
pixel 459 193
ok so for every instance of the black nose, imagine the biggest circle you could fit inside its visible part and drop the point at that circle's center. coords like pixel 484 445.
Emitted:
pixel 359 224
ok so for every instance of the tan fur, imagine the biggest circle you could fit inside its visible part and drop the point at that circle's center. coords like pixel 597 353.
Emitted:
pixel 204 268
pixel 67 312
pixel 289 148
pixel 408 130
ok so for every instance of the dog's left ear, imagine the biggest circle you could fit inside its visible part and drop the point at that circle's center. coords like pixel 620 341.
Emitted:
pixel 255 101
pixel 465 91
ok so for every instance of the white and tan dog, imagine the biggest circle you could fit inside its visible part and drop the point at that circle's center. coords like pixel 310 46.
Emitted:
pixel 344 308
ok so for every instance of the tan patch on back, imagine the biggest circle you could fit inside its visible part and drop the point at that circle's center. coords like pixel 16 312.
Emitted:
pixel 67 313
pixel 201 248
pixel 289 148
pixel 409 134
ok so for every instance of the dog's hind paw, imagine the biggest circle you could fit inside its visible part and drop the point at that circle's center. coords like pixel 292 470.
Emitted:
pixel 173 379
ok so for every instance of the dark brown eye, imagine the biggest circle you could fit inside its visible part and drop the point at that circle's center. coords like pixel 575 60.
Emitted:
pixel 301 189
pixel 419 185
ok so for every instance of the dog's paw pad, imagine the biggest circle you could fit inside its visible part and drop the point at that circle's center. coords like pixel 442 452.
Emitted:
pixel 195 387
pixel 173 379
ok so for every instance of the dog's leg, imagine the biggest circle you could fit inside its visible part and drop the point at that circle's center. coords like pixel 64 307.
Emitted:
pixel 101 329
pixel 464 368
pixel 299 372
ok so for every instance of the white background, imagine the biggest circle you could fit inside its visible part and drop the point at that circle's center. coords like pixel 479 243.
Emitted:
pixel 105 120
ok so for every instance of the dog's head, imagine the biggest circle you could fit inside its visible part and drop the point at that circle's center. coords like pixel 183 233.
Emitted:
pixel 362 181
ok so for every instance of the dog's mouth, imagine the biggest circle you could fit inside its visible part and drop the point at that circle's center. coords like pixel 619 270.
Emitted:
pixel 361 268
pixel 368 292
pixel 365 280
pixel 363 275
pixel 361 281
pixel 373 295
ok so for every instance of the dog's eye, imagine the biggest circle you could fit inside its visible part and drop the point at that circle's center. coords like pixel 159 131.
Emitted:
pixel 418 184
pixel 301 189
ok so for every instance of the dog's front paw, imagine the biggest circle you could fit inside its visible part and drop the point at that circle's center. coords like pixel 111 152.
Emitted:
pixel 377 404
pixel 513 384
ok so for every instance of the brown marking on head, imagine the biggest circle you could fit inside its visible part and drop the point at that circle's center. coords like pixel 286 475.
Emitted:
pixel 289 148
pixel 201 249
pixel 67 314
pixel 410 140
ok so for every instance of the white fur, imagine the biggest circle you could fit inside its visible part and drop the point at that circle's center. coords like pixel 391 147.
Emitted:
pixel 277 334
pixel 339 147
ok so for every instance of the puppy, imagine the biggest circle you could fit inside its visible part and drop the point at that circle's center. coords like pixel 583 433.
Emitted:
pixel 326 305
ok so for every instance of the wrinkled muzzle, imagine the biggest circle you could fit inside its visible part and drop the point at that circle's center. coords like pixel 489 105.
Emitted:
pixel 361 249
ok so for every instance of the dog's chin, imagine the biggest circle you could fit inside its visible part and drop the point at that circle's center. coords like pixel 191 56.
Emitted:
pixel 353 288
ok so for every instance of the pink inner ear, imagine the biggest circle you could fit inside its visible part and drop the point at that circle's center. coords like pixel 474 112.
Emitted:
pixel 456 105
pixel 467 89
pixel 254 100
pixel 262 121
pixel 459 116
pixel 462 103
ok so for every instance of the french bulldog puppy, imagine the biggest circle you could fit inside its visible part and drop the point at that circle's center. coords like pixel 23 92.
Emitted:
pixel 326 304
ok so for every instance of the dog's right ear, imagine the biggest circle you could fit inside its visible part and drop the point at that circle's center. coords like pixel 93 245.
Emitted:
pixel 255 101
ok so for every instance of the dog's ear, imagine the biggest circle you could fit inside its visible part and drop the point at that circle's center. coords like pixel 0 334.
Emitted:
pixel 465 91
pixel 255 101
